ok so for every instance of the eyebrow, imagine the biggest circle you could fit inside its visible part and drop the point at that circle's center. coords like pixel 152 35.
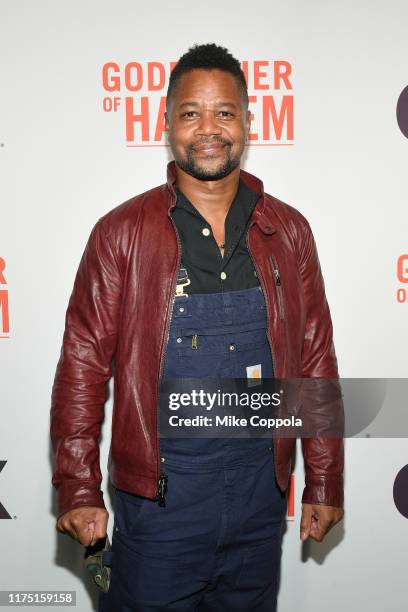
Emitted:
pixel 217 104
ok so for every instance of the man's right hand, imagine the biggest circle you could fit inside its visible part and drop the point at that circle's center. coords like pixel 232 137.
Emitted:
pixel 86 524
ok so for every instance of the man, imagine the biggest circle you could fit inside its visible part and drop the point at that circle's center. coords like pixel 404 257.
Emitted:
pixel 209 277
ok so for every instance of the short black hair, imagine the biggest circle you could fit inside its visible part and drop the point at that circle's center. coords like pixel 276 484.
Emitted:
pixel 208 57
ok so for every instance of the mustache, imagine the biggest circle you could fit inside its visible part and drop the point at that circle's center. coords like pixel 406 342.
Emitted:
pixel 210 141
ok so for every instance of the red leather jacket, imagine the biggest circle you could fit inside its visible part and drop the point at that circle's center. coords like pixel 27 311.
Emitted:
pixel 117 322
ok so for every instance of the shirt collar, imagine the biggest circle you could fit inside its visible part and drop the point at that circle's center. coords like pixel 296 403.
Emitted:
pixel 250 180
pixel 239 212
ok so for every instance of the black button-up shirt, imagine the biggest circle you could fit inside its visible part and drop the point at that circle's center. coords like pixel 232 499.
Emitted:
pixel 201 259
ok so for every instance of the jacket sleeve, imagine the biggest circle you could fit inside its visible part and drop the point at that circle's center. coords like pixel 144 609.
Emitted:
pixel 323 455
pixel 83 371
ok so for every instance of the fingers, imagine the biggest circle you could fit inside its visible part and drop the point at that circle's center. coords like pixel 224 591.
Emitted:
pixel 305 521
pixel 78 528
pixel 100 528
pixel 86 525
pixel 322 519
pixel 320 526
pixel 84 530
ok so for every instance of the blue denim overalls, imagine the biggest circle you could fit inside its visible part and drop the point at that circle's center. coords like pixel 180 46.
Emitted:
pixel 216 545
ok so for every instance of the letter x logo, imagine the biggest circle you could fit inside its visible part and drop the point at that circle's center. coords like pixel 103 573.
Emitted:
pixel 3 512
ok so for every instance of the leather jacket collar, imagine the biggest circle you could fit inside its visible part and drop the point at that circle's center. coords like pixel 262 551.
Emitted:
pixel 250 180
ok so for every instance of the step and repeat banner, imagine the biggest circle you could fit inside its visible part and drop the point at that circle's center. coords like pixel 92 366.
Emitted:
pixel 82 130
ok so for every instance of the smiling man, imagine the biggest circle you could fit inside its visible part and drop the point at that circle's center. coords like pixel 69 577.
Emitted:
pixel 204 277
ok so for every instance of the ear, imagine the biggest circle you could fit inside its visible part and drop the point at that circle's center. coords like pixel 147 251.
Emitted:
pixel 166 120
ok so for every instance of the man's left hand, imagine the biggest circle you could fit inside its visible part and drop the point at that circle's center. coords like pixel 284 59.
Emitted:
pixel 317 520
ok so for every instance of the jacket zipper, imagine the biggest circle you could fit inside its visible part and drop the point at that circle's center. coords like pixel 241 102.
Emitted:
pixel 162 478
pixel 278 285
pixel 279 293
pixel 267 329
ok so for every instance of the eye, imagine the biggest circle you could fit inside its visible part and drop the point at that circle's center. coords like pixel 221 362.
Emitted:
pixel 226 114
pixel 189 114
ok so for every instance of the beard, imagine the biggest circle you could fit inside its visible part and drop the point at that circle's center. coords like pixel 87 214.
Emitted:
pixel 200 172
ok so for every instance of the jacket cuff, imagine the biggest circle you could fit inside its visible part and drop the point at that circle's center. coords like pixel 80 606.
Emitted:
pixel 325 490
pixel 74 494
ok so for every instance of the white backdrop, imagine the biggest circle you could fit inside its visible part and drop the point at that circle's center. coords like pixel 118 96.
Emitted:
pixel 64 162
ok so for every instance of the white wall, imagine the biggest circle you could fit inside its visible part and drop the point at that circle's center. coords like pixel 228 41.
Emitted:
pixel 65 162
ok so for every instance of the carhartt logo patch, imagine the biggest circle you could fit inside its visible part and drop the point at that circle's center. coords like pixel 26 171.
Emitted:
pixel 254 374
pixel 254 371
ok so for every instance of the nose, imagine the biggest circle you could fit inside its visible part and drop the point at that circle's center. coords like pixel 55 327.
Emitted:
pixel 208 124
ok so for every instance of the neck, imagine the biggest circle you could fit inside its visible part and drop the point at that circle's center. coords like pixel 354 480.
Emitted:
pixel 211 198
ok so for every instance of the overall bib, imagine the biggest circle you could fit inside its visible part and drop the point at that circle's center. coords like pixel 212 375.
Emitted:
pixel 216 545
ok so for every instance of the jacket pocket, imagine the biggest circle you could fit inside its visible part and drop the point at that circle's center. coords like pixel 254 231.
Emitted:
pixel 278 285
